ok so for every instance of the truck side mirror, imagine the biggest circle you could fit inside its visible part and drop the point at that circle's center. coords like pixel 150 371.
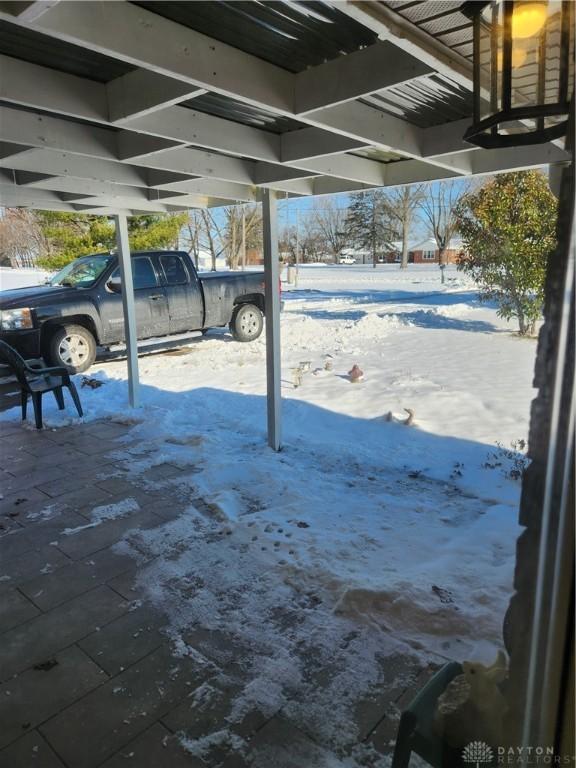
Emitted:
pixel 114 284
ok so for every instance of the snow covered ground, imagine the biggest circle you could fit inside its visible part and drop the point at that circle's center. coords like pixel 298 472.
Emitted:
pixel 19 278
pixel 395 539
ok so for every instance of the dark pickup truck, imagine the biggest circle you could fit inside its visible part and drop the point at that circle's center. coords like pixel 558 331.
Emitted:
pixel 80 307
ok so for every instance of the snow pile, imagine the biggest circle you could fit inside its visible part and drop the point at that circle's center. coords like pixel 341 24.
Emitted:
pixel 373 327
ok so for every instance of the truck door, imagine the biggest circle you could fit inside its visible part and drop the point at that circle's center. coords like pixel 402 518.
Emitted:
pixel 149 299
pixel 185 304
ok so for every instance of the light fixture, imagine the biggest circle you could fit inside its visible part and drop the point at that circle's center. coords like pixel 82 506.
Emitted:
pixel 528 19
pixel 523 59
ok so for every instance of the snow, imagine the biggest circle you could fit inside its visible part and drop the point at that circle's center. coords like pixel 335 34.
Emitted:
pixel 363 538
pixel 104 513
pixel 20 278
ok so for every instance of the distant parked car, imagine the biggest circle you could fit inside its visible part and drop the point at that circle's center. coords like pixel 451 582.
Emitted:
pixel 346 260
pixel 81 307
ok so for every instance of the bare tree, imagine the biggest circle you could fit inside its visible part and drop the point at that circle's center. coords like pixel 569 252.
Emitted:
pixel 243 228
pixel 438 207
pixel 21 238
pixel 402 204
pixel 202 232
pixel 213 234
pixel 306 239
pixel 192 233
pixel 330 223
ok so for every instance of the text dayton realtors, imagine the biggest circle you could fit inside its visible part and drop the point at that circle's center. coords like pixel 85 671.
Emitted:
pixel 531 756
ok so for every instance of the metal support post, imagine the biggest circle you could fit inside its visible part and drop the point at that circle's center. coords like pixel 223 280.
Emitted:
pixel 272 295
pixel 130 332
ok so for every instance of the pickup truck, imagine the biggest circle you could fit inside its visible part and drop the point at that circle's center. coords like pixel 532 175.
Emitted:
pixel 80 307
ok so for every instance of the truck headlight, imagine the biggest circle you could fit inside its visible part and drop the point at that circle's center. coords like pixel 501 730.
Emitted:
pixel 15 319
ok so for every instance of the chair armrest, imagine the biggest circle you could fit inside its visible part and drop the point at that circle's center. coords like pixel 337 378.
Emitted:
pixel 37 368
pixel 425 700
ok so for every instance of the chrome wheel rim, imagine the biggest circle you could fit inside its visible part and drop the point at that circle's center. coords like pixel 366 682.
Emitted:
pixel 73 350
pixel 249 323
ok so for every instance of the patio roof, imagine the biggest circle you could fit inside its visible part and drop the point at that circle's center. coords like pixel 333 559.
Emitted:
pixel 135 107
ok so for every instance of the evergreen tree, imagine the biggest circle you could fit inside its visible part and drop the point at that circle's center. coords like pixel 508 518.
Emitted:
pixel 368 223
pixel 66 236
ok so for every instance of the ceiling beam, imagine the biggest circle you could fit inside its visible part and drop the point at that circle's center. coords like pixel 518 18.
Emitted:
pixel 63 164
pixel 393 27
pixel 27 11
pixel 43 161
pixel 31 178
pixel 446 139
pixel 153 44
pixel 197 162
pixel 489 161
pixel 311 142
pixel 484 162
pixel 355 75
pixel 8 149
pixel 333 130
pixel 125 198
pixel 141 92
pixel 13 195
pixel 267 174
pixel 135 35
pixel 132 146
pixel 31 85
pixel 162 153
pixel 55 133
pixel 210 132
pixel 370 126
pixel 78 189
pixel 357 169
pixel 42 131
pixel 229 177
pixel 212 187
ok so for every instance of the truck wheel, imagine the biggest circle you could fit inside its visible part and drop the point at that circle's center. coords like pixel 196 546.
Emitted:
pixel 72 346
pixel 246 323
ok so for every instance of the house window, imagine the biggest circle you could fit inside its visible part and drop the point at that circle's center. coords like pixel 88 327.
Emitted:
pixel 429 255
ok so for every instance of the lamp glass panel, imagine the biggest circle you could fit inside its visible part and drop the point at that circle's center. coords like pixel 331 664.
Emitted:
pixel 553 53
pixel 487 84
pixel 536 57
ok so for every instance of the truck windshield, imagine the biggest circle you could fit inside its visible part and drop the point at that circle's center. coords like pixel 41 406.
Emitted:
pixel 83 272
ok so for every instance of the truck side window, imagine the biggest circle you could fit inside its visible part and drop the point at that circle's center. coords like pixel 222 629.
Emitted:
pixel 143 273
pixel 174 269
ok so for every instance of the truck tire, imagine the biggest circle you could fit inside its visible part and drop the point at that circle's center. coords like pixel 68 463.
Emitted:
pixel 246 323
pixel 73 347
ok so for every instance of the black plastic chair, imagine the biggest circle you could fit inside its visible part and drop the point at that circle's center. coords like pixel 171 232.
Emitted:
pixel 35 380
pixel 416 729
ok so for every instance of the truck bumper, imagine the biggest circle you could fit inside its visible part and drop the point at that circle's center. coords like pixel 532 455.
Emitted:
pixel 26 343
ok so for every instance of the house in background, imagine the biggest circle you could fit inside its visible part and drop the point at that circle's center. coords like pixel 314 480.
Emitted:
pixel 255 257
pixel 426 252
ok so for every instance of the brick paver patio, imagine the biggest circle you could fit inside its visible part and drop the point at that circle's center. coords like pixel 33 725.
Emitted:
pixel 88 678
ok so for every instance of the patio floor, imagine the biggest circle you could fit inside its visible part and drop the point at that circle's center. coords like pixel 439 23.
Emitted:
pixel 88 676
